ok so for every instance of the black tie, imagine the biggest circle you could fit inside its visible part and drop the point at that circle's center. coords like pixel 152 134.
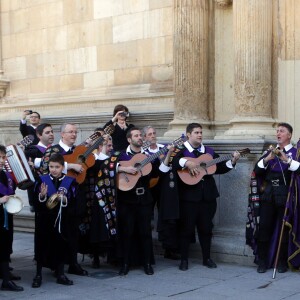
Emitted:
pixel 196 152
pixel 70 151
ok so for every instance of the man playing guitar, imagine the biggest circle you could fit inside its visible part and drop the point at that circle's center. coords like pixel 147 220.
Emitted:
pixel 197 202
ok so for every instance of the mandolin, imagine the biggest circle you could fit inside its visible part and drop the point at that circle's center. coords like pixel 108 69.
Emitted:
pixel 206 165
pixel 84 155
pixel 142 162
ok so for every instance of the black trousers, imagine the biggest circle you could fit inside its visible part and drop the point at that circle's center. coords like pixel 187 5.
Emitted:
pixel 270 214
pixel 135 218
pixel 199 215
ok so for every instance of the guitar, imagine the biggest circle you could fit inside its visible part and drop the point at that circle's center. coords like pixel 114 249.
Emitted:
pixel 207 166
pixel 84 155
pixel 27 140
pixel 125 181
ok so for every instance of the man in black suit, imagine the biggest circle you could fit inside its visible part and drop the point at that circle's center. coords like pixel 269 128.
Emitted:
pixel 197 202
pixel 35 153
pixel 34 120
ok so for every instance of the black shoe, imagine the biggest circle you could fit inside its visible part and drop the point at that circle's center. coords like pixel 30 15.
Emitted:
pixel 148 269
pixel 63 279
pixel 37 281
pixel 11 286
pixel 171 255
pixel 77 270
pixel 184 265
pixel 282 267
pixel 209 263
pixel 124 270
pixel 262 267
pixel 12 276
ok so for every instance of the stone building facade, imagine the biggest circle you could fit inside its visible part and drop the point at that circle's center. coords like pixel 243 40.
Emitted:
pixel 232 65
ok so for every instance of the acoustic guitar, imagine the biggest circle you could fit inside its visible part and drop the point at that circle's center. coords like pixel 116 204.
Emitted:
pixel 142 162
pixel 206 166
pixel 84 155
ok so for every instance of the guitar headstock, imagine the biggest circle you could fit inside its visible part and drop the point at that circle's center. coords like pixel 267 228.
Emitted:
pixel 146 145
pixel 244 151
pixel 178 141
pixel 109 129
pixel 27 140
pixel 94 135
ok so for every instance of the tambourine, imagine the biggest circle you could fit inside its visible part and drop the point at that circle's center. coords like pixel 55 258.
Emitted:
pixel 55 199
pixel 14 204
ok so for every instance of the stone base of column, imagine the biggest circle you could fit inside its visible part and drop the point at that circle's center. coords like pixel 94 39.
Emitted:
pixel 4 83
pixel 178 127
pixel 249 127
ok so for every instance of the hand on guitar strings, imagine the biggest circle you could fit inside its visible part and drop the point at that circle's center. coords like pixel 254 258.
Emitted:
pixel 128 170
pixel 193 168
pixel 76 167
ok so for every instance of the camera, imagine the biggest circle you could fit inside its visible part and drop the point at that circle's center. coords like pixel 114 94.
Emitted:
pixel 124 114
pixel 29 111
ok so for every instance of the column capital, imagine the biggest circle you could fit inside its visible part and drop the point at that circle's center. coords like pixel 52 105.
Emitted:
pixel 223 3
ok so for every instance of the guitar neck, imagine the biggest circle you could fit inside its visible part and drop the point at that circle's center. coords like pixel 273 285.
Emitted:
pixel 152 157
pixel 218 160
pixel 93 147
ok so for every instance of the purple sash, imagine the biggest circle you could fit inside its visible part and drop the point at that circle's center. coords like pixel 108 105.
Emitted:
pixel 9 189
pixel 64 186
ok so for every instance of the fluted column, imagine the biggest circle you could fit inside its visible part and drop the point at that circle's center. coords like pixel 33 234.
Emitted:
pixel 252 22
pixel 190 64
pixel 4 82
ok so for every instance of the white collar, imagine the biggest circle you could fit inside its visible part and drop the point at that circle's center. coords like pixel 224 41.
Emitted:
pixel 101 156
pixel 191 149
pixel 41 144
pixel 158 147
pixel 128 150
pixel 287 147
pixel 64 146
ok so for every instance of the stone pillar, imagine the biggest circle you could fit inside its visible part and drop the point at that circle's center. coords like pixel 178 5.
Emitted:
pixel 190 64
pixel 4 82
pixel 252 21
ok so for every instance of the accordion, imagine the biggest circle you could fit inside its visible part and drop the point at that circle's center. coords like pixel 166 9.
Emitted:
pixel 17 164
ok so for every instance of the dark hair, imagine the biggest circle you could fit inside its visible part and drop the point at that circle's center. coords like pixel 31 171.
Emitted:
pixel 58 158
pixel 120 107
pixel 287 126
pixel 3 149
pixel 190 127
pixel 35 112
pixel 41 128
pixel 128 134
pixel 99 129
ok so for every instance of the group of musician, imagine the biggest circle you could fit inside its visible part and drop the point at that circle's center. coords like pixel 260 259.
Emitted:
pixel 106 209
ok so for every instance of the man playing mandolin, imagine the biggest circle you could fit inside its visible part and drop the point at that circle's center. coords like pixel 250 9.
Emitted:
pixel 197 201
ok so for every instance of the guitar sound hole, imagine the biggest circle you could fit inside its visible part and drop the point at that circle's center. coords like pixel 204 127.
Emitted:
pixel 81 159
pixel 137 165
pixel 203 165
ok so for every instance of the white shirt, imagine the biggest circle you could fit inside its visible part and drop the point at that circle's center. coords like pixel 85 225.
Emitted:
pixel 294 164
pixel 37 161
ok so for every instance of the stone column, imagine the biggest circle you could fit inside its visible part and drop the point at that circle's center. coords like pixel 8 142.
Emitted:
pixel 252 21
pixel 190 64
pixel 4 82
